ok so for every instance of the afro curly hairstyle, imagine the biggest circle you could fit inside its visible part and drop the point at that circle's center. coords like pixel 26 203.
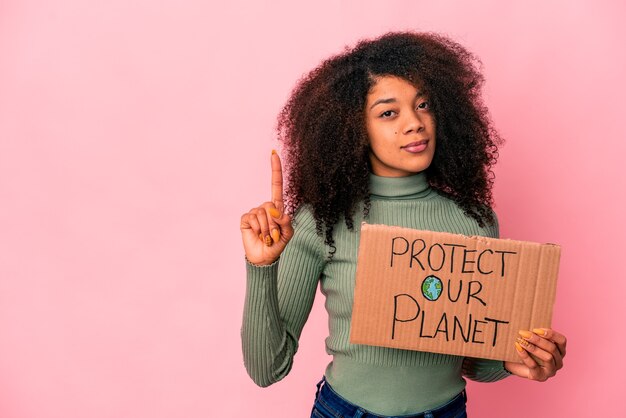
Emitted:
pixel 326 146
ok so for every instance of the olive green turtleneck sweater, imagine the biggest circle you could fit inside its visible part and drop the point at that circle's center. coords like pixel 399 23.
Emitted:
pixel 279 297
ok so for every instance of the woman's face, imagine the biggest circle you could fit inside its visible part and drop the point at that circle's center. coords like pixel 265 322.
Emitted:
pixel 400 126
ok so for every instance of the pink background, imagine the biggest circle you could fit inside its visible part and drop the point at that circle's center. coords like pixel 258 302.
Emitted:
pixel 133 135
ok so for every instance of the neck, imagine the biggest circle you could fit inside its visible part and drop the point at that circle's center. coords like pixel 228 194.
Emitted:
pixel 399 188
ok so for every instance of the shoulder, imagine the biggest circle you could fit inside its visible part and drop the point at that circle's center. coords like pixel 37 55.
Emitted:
pixel 305 234
pixel 464 223
pixel 493 227
pixel 304 219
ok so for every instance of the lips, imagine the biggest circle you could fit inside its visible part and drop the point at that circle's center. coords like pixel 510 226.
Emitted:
pixel 416 146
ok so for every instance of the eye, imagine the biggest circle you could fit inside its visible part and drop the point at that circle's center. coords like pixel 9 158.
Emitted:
pixel 424 105
pixel 388 113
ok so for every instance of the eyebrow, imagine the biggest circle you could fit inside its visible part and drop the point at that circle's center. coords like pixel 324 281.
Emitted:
pixel 393 99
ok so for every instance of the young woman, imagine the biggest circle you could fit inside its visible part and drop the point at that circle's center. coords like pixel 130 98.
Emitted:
pixel 392 131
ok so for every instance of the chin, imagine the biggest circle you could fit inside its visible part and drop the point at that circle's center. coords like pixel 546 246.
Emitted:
pixel 420 168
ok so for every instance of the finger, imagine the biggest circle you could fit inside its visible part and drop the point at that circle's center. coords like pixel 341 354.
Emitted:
pixel 543 358
pixel 261 216
pixel 546 345
pixel 525 355
pixel 558 360
pixel 534 371
pixel 558 338
pixel 284 222
pixel 249 221
pixel 541 342
pixel 277 182
pixel 272 213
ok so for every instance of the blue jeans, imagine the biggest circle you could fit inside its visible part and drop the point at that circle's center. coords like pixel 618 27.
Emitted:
pixel 328 404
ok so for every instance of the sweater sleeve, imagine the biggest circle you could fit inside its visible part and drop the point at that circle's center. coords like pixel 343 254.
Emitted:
pixel 484 370
pixel 279 298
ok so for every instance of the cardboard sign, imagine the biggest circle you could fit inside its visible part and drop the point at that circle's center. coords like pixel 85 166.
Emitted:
pixel 450 293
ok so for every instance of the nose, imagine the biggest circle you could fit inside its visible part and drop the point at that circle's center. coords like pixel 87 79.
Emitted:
pixel 414 123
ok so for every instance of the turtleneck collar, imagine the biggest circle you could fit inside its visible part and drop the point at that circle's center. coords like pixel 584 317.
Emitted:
pixel 399 188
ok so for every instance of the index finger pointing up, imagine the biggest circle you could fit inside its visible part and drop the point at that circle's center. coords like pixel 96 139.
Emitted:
pixel 277 182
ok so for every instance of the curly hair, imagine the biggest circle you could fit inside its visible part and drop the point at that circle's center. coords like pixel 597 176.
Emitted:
pixel 322 127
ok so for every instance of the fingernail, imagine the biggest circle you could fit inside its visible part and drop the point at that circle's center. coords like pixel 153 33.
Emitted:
pixel 275 213
pixel 275 235
pixel 268 241
pixel 261 237
pixel 540 331
pixel 518 347
pixel 526 334
pixel 522 342
pixel 274 152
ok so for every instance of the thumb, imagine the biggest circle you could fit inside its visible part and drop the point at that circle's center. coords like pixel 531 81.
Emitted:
pixel 279 217
pixel 284 221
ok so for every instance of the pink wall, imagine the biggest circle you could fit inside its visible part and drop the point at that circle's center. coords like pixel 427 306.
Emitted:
pixel 133 134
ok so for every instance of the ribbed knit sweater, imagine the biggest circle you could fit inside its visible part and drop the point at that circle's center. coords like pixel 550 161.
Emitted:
pixel 279 298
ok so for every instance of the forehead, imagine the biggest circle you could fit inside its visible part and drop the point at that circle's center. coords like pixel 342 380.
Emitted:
pixel 391 86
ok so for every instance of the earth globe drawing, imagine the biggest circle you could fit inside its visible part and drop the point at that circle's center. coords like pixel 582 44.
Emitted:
pixel 432 287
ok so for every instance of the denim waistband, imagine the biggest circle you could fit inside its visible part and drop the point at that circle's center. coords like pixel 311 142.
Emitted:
pixel 326 394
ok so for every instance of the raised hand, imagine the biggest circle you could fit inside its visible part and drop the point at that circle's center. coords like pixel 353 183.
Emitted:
pixel 266 229
pixel 542 352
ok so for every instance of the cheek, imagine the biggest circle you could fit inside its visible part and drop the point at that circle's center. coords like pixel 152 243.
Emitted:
pixel 433 124
pixel 380 151
pixel 382 139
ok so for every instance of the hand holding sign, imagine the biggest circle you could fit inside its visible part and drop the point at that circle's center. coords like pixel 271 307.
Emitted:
pixel 542 352
pixel 266 230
